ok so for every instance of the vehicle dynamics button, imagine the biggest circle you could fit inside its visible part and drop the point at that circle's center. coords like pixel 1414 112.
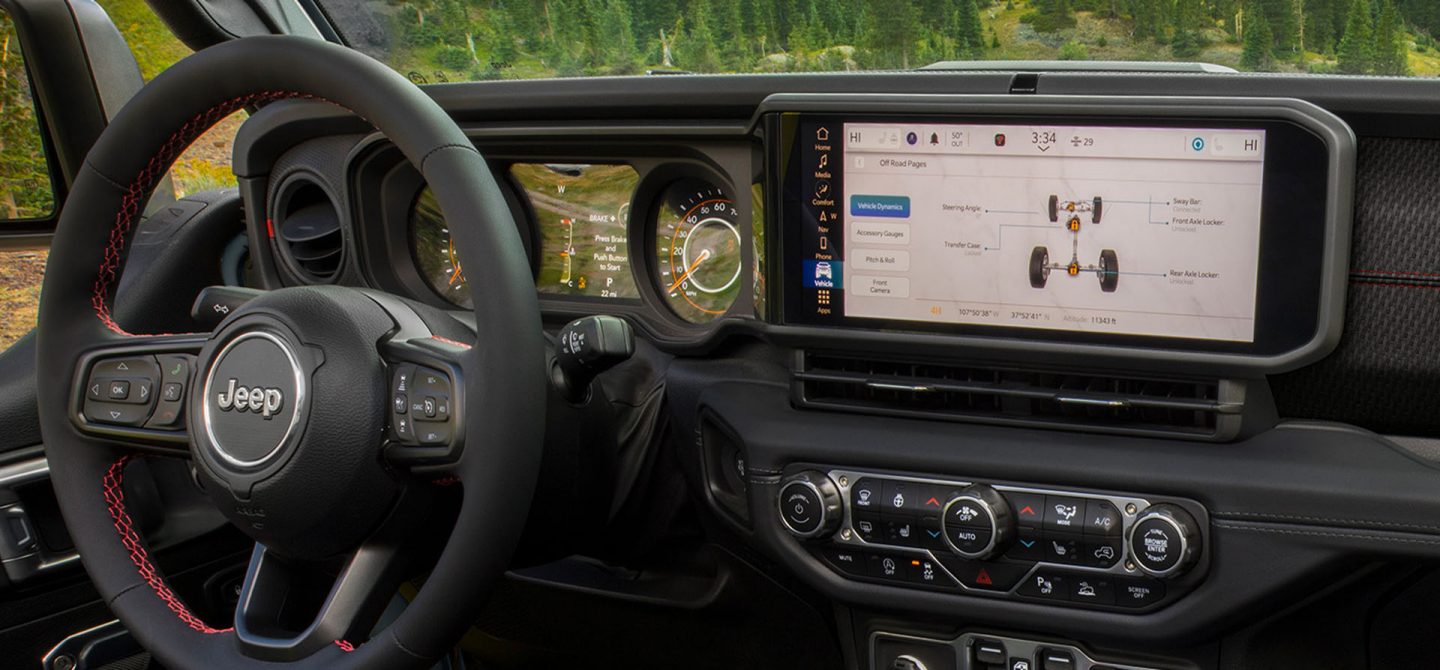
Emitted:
pixel 1092 590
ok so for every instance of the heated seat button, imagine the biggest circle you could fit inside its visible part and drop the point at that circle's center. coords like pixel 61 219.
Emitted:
pixel 1061 548
pixel 901 530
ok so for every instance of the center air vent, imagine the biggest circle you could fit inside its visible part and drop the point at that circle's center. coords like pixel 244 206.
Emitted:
pixel 307 230
pixel 1200 409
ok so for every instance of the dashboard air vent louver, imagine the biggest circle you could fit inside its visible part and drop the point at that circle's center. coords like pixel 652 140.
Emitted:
pixel 307 230
pixel 1199 409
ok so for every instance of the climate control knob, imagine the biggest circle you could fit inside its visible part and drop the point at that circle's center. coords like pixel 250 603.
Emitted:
pixel 978 523
pixel 1164 541
pixel 810 505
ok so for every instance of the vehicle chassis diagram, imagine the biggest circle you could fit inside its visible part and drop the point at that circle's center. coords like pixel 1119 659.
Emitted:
pixel 1107 269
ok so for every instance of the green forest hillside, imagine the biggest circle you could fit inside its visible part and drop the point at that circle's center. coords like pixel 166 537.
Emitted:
pixel 447 40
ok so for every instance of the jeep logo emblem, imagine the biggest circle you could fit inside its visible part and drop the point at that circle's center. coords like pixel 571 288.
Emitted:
pixel 266 401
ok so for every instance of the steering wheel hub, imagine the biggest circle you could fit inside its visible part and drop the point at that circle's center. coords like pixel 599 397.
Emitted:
pixel 288 420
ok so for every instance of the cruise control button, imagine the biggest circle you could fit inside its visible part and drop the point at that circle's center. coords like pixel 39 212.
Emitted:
pixel 865 494
pixel 1086 589
pixel 1064 514
pixel 442 408
pixel 1139 592
pixel 1101 518
pixel 1045 585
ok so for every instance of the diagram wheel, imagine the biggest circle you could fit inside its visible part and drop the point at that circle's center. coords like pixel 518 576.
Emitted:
pixel 1039 267
pixel 1054 208
pixel 1109 271
pixel 1095 211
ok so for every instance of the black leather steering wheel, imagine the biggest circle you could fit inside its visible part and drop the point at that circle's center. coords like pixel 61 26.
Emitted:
pixel 301 458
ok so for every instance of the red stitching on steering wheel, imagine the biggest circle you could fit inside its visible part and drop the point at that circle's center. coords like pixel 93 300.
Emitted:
pixel 141 187
pixel 115 501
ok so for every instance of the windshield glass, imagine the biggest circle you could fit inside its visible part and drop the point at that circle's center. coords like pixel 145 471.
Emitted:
pixel 464 40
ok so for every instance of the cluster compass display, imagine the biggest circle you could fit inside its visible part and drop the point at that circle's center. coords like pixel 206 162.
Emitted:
pixel 698 243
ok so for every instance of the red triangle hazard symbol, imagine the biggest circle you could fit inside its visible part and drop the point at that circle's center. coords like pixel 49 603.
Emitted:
pixel 983 578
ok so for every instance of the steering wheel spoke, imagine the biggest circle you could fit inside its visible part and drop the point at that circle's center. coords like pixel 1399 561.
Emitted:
pixel 135 390
pixel 285 611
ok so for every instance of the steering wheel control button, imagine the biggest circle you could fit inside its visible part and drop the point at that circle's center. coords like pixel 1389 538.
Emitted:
pixel 401 403
pixel 1164 541
pixel 432 434
pixel 173 392
pixel 978 523
pixel 120 391
pixel 809 505
pixel 174 382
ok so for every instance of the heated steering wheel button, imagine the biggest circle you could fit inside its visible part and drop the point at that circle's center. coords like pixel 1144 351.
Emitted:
pixel 114 413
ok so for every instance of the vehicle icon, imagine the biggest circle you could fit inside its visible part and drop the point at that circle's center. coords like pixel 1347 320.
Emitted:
pixel 823 271
pixel 1085 590
pixel 1107 269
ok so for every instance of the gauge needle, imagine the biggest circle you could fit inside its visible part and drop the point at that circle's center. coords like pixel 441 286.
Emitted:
pixel 457 275
pixel 704 255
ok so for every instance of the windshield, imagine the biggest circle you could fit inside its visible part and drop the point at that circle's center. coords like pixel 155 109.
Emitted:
pixel 464 40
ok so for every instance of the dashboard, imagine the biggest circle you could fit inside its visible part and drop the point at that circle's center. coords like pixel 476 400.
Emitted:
pixel 1107 373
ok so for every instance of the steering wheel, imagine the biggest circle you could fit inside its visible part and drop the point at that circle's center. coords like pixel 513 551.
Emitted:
pixel 290 410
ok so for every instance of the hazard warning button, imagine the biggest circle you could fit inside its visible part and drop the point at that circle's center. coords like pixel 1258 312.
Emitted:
pixel 986 575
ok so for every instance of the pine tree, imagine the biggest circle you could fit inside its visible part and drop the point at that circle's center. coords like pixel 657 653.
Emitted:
pixel 697 52
pixel 1355 52
pixel 891 34
pixel 1390 53
pixel 968 34
pixel 1259 41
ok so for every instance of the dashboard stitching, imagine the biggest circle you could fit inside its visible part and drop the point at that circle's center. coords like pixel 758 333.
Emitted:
pixel 1363 282
pixel 1316 533
pixel 1397 273
pixel 1356 522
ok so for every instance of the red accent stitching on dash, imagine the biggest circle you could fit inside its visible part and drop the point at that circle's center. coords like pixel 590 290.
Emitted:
pixel 1363 282
pixel 447 340
pixel 1395 273
pixel 144 183
pixel 345 646
pixel 115 500
pixel 445 481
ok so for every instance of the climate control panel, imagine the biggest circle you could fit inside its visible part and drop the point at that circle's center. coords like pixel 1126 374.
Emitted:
pixel 999 539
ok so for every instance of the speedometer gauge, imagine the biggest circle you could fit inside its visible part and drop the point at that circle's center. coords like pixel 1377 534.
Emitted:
pixel 697 239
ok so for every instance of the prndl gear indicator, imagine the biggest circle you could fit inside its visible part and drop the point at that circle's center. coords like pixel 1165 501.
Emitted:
pixel 1107 269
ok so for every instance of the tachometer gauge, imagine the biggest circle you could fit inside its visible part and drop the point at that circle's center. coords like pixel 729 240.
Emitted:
pixel 434 250
pixel 697 239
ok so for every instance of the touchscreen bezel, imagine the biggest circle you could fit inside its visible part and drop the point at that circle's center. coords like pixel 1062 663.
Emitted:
pixel 1295 310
